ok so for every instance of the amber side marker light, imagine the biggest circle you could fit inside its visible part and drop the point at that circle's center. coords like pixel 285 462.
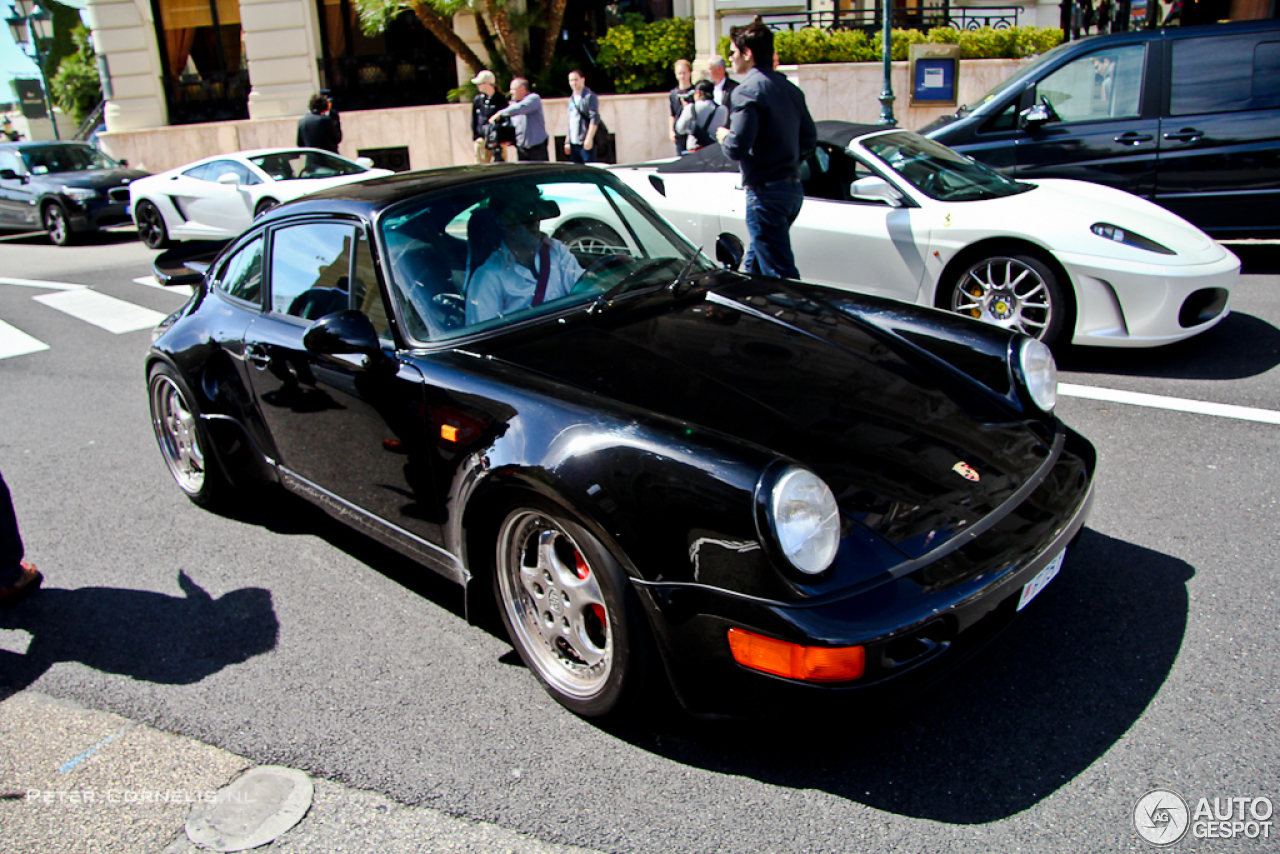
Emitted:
pixel 807 663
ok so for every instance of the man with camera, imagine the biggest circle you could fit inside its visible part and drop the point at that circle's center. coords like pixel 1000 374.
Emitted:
pixel 525 112
pixel 320 128
pixel 483 108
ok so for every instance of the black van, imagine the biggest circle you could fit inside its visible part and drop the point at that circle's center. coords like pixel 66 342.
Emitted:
pixel 1188 117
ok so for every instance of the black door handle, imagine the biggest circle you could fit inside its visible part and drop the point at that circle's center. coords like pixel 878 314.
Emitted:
pixel 1132 138
pixel 1185 135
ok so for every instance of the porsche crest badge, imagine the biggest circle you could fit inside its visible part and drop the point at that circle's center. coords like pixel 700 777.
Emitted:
pixel 966 471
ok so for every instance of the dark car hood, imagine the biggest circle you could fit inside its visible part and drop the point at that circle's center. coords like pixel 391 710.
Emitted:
pixel 97 179
pixel 883 423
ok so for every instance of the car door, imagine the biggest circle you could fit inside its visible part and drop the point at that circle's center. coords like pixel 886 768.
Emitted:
pixel 350 429
pixel 1220 139
pixel 1102 121
pixel 210 208
pixel 861 245
pixel 16 209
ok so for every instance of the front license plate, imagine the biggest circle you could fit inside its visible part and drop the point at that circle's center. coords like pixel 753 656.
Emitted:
pixel 1042 579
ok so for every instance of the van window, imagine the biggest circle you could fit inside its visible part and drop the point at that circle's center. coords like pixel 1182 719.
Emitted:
pixel 1224 75
pixel 1102 85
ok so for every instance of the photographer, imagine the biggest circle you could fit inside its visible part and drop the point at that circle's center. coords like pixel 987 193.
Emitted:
pixel 320 128
pixel 525 112
pixel 700 117
pixel 483 108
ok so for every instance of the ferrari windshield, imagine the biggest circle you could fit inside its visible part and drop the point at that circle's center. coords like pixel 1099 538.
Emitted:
pixel 292 165
pixel 43 159
pixel 491 253
pixel 939 172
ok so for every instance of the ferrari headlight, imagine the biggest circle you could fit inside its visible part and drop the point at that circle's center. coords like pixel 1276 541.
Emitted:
pixel 1039 373
pixel 805 520
pixel 1129 238
pixel 80 194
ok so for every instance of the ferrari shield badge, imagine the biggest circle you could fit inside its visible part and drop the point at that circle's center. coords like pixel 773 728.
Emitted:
pixel 966 471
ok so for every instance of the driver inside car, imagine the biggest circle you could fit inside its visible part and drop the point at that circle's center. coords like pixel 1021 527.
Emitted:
pixel 527 268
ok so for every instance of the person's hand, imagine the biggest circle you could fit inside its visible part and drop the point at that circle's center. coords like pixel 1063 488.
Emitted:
pixel 588 145
pixel 721 133
pixel 672 136
pixel 566 147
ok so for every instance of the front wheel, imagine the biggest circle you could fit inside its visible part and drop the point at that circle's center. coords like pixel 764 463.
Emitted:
pixel 570 612
pixel 1018 292
pixel 264 206
pixel 182 439
pixel 55 222
pixel 591 237
pixel 151 228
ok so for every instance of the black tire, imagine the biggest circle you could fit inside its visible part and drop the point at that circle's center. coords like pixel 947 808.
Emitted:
pixel 183 442
pixel 1017 291
pixel 55 221
pixel 264 206
pixel 570 612
pixel 591 237
pixel 152 231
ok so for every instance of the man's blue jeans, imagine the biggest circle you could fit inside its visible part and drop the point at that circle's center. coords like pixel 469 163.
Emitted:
pixel 771 208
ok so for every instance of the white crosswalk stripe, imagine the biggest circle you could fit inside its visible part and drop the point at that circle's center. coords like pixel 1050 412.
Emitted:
pixel 109 313
pixel 15 342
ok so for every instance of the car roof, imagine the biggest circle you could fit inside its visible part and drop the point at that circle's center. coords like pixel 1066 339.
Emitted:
pixel 42 143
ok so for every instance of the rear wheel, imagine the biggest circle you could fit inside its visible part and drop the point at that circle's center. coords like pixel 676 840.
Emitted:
pixel 1016 291
pixel 182 438
pixel 570 612
pixel 585 237
pixel 151 228
pixel 55 222
pixel 264 206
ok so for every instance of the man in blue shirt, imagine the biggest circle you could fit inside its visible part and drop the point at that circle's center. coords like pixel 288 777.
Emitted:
pixel 525 113
pixel 770 133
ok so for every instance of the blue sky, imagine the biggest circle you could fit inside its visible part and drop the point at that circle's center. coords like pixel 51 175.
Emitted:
pixel 13 62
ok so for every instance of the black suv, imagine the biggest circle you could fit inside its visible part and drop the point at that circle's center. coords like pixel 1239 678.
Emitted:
pixel 63 187
pixel 1188 117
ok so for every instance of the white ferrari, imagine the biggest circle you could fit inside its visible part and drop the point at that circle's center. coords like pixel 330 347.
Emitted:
pixel 219 197
pixel 890 213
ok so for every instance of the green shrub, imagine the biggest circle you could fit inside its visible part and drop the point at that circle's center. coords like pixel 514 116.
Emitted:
pixel 639 56
pixel 813 44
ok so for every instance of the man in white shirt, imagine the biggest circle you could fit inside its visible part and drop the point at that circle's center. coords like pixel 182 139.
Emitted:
pixel 528 268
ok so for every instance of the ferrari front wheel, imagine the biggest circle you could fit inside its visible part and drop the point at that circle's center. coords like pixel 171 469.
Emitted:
pixel 1018 292
pixel 570 611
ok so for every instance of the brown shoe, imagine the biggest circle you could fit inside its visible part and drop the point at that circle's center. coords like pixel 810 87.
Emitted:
pixel 22 588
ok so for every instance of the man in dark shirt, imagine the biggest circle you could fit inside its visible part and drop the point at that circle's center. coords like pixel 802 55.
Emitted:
pixel 483 106
pixel 770 134
pixel 320 128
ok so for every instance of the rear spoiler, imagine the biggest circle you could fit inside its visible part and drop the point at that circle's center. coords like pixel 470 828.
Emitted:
pixel 187 263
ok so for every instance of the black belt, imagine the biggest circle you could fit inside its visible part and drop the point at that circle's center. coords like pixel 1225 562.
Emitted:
pixel 781 182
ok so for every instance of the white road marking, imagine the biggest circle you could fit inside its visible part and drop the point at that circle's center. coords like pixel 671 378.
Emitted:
pixel 15 342
pixel 114 315
pixel 1176 404
pixel 38 283
pixel 153 282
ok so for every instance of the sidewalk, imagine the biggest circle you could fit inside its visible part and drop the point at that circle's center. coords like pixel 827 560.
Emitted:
pixel 77 780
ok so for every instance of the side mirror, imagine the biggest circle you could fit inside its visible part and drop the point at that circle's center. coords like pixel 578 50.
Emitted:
pixel 343 332
pixel 730 250
pixel 366 162
pixel 875 189
pixel 229 179
pixel 1034 116
pixel 8 175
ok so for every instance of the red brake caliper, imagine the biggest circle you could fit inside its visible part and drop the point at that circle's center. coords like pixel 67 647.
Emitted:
pixel 580 566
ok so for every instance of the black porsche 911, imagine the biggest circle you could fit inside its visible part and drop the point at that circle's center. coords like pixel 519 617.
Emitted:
pixel 761 491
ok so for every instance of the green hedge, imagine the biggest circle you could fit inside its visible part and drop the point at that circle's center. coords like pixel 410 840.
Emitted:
pixel 802 47
pixel 639 56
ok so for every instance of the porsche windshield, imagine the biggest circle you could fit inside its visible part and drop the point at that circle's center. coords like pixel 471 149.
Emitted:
pixel 490 254
pixel 939 172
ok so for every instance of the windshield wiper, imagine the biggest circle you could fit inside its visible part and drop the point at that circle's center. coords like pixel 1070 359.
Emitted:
pixel 679 280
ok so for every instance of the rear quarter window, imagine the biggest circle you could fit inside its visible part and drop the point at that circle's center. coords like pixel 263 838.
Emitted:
pixel 1224 75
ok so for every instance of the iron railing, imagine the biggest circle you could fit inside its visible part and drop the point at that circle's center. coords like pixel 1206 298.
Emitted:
pixel 922 17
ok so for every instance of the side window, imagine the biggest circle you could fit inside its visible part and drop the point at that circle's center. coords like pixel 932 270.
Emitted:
pixel 365 295
pixel 10 161
pixel 1100 86
pixel 1005 120
pixel 198 172
pixel 242 275
pixel 310 267
pixel 1224 75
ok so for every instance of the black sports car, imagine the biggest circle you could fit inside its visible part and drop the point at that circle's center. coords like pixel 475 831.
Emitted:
pixel 768 491
pixel 66 188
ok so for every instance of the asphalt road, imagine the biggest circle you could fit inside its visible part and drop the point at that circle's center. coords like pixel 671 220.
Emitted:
pixel 1152 661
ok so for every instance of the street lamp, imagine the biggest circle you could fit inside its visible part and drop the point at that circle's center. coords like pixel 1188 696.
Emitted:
pixel 886 52
pixel 34 25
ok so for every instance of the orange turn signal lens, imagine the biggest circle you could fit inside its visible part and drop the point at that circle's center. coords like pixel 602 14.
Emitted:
pixel 448 432
pixel 807 663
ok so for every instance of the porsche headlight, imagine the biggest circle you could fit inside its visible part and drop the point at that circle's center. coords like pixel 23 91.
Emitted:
pixel 1129 238
pixel 1039 373
pixel 805 520
pixel 80 194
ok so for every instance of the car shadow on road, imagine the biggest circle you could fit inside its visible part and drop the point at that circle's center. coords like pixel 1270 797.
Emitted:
pixel 153 637
pixel 1240 346
pixel 1032 712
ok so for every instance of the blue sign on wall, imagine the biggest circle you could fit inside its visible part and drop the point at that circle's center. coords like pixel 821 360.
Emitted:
pixel 935 80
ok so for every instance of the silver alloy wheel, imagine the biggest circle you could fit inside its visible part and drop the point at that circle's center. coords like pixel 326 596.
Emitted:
pixel 592 238
pixel 55 222
pixel 554 603
pixel 175 426
pixel 1006 292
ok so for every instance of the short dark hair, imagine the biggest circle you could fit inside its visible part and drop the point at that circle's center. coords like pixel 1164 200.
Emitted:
pixel 758 39
pixel 706 87
pixel 318 103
